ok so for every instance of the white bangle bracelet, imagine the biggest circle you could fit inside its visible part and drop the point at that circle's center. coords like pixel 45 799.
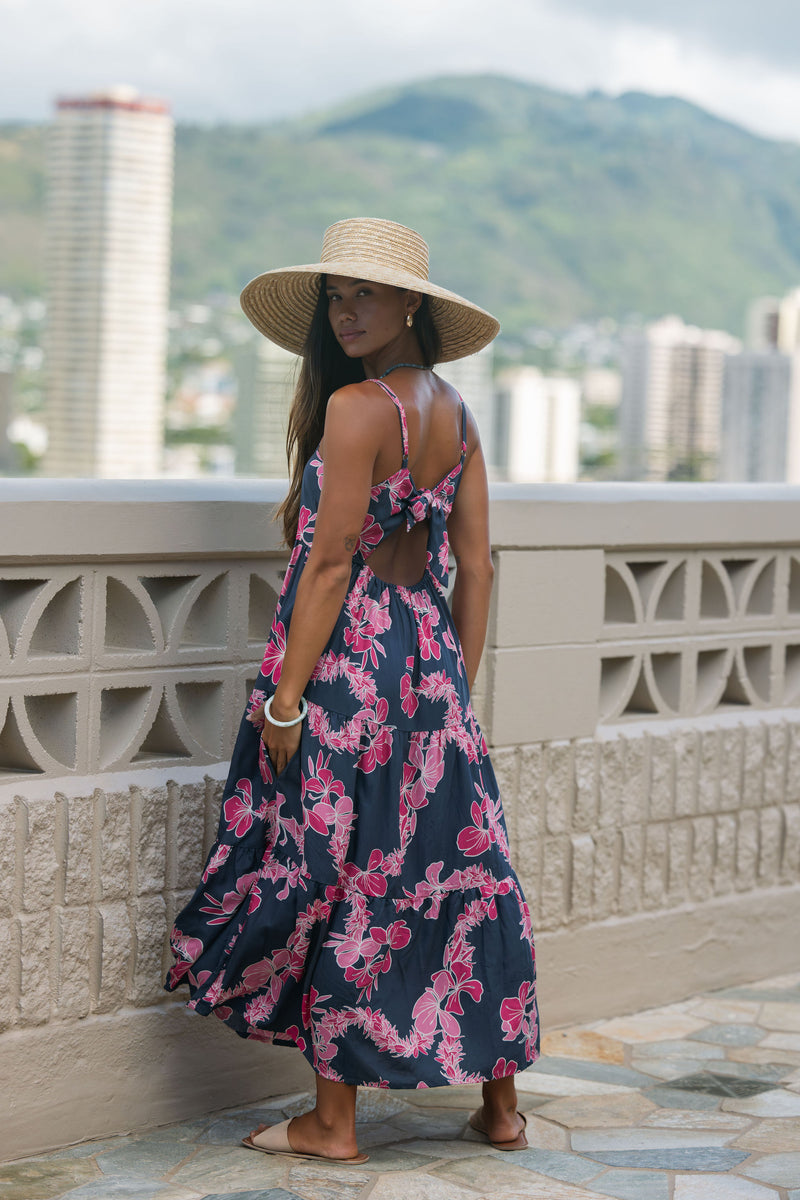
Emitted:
pixel 294 720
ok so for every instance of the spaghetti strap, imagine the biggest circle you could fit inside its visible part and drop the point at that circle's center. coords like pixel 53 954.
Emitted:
pixel 463 431
pixel 399 407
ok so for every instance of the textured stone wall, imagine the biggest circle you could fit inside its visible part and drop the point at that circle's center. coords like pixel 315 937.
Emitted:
pixel 639 820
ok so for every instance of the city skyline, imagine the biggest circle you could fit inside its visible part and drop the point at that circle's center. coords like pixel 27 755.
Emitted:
pixel 253 62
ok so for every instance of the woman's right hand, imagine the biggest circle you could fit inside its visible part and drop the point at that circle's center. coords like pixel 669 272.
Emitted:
pixel 281 742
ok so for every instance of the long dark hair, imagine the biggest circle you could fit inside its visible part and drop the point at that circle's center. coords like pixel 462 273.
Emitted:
pixel 325 368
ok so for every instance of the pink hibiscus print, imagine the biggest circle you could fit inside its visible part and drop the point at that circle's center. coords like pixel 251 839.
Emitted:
pixel 371 534
pixel 379 749
pixel 428 1014
pixel 218 859
pixel 371 881
pixel 189 948
pixel 516 1010
pixel 273 654
pixel 408 700
pixel 238 808
pixel 223 909
pixel 428 645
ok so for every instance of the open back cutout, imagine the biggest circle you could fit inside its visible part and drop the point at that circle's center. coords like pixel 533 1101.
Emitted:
pixel 401 557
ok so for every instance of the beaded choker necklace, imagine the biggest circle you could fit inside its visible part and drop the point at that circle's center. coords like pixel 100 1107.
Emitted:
pixel 397 366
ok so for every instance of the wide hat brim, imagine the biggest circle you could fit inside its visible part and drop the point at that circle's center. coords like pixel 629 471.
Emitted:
pixel 281 304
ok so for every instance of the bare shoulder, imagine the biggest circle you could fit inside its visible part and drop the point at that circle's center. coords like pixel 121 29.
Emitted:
pixel 355 402
pixel 356 420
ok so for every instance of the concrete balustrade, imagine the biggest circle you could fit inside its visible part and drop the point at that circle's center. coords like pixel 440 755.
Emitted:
pixel 640 690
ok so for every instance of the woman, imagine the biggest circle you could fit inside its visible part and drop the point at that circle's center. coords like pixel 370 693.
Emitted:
pixel 359 901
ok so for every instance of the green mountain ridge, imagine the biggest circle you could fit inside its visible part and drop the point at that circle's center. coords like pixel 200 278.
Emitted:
pixel 543 206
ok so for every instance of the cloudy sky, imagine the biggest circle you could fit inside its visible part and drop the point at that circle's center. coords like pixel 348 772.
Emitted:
pixel 245 60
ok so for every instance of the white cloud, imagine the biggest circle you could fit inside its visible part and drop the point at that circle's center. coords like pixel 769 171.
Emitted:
pixel 258 59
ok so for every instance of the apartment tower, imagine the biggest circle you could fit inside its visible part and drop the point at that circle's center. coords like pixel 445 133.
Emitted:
pixel 110 162
pixel 669 419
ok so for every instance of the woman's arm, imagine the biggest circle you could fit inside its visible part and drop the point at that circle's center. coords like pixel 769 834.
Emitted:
pixel 468 534
pixel 353 432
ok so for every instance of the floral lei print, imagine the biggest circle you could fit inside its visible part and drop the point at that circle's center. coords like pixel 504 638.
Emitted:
pixel 361 905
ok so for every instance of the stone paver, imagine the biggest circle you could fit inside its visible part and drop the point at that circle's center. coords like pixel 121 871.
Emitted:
pixel 719 1187
pixel 782 1169
pixel 585 1044
pixel 777 1103
pixel 694 1101
pixel 780 1134
pixel 633 1185
pixel 598 1111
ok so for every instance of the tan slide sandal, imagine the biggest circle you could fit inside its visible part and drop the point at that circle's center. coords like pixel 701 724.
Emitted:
pixel 275 1140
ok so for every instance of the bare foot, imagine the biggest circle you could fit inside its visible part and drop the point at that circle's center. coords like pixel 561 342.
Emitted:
pixel 501 1125
pixel 307 1135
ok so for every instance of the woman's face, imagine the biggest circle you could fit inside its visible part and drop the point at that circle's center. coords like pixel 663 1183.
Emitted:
pixel 366 317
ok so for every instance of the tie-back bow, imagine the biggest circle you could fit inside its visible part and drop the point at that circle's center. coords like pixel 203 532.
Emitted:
pixel 433 505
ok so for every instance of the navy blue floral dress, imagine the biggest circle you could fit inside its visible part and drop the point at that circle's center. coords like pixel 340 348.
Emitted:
pixel 361 904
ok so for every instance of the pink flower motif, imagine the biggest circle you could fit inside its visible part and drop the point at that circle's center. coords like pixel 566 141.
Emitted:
pixel 408 701
pixel 323 815
pixel 293 1034
pixel 397 935
pixel 379 749
pixel 311 999
pixel 503 1068
pixel 430 764
pixel 218 858
pixel 399 487
pixel 474 840
pixel 427 1014
pixel 462 981
pixel 320 781
pixel 189 948
pixel 223 909
pixel 305 518
pixel 371 881
pixel 258 1009
pixel 368 619
pixel 515 1010
pixel 349 949
pixel 273 654
pixel 371 534
pixel 255 701
pixel 238 808
pixel 428 645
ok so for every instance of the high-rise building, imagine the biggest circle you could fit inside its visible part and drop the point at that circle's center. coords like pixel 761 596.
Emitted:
pixel 107 263
pixel 761 323
pixel 266 375
pixel 538 426
pixel 760 428
pixel 669 420
pixel 788 340
pixel 773 323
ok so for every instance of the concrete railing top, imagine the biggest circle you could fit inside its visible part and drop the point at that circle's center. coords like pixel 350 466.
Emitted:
pixel 62 519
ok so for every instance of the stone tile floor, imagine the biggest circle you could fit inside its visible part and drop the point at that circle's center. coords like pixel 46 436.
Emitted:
pixel 695 1101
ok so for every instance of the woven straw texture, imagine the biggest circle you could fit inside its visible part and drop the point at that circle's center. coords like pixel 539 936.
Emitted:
pixel 281 303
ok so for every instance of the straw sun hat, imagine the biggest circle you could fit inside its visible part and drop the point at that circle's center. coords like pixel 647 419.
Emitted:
pixel 281 303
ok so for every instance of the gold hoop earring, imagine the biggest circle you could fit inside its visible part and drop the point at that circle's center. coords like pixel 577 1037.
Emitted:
pixel 409 320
